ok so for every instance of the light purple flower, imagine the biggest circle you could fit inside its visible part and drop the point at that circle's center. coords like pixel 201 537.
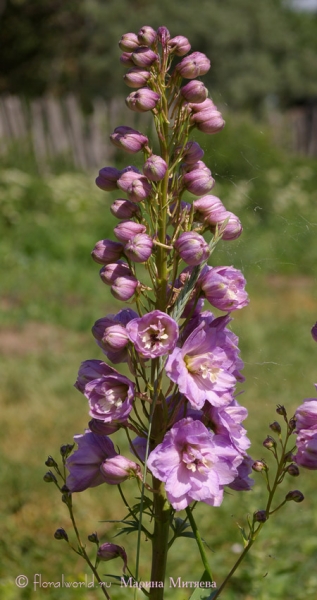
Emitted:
pixel 110 397
pixel 224 287
pixel 306 443
pixel 206 365
pixel 194 464
pixel 243 483
pixel 84 464
pixel 306 415
pixel 91 369
pixel 226 421
pixel 153 335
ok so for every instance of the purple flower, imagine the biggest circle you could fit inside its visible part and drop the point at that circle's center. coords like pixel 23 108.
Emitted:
pixel 144 57
pixel 129 139
pixel 224 287
pixel 126 230
pixel 142 100
pixel 233 228
pixel 110 397
pixel 109 551
pixel 153 335
pixel 109 273
pixel 194 65
pixel 123 288
pixel 205 367
pixel 226 421
pixel 124 209
pixel 147 35
pixel 210 209
pixel 243 483
pixel 306 443
pixel 198 180
pixel 84 464
pixel 194 464
pixel 89 370
pixel 314 332
pixel 192 153
pixel 192 248
pixel 306 415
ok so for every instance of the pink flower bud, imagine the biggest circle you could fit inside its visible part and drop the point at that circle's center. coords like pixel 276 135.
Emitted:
pixel 163 35
pixel 112 335
pixel 109 551
pixel 101 428
pixel 126 59
pixel 147 35
pixel 126 230
pixel 139 248
pixel 233 228
pixel 129 139
pixel 135 185
pixel 192 248
pixel 107 251
pixel 179 45
pixel 137 77
pixel 194 65
pixel 199 106
pixel 209 208
pixel 212 124
pixel 107 179
pixel 124 288
pixel 128 42
pixel 194 91
pixel 111 272
pixel 144 57
pixel 142 100
pixel 199 181
pixel 124 209
pixel 155 168
pixel 118 469
pixel 192 153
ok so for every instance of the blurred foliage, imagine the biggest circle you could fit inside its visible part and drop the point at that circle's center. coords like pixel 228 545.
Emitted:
pixel 260 51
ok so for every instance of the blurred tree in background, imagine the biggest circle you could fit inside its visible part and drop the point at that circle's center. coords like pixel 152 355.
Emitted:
pixel 260 51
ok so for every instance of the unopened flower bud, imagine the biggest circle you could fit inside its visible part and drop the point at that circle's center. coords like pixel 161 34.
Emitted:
pixel 66 449
pixel 194 65
pixel 233 227
pixel 295 495
pixel 147 35
pixel 124 288
pixel 128 139
pixel 128 42
pixel 293 470
pixel 155 168
pixel 49 477
pixel 275 426
pixel 260 516
pixel 109 551
pixel 93 537
pixel 179 45
pixel 142 100
pixel 50 462
pixel 292 424
pixel 60 534
pixel 144 57
pixel 192 248
pixel 111 272
pixel 137 77
pixel 210 209
pixel 139 248
pixel 107 179
pixel 101 428
pixel 117 469
pixel 107 251
pixel 208 121
pixel 259 465
pixel 269 442
pixel 281 410
pixel 192 153
pixel 163 35
pixel 126 230
pixel 199 181
pixel 124 209
pixel 126 59
pixel 135 185
pixel 194 91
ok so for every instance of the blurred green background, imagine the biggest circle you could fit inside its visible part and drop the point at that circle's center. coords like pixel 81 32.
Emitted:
pixel 61 94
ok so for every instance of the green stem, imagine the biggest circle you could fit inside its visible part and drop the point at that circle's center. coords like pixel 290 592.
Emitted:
pixel 162 513
pixel 200 544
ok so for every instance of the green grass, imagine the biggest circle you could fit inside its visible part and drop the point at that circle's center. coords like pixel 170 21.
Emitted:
pixel 51 296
